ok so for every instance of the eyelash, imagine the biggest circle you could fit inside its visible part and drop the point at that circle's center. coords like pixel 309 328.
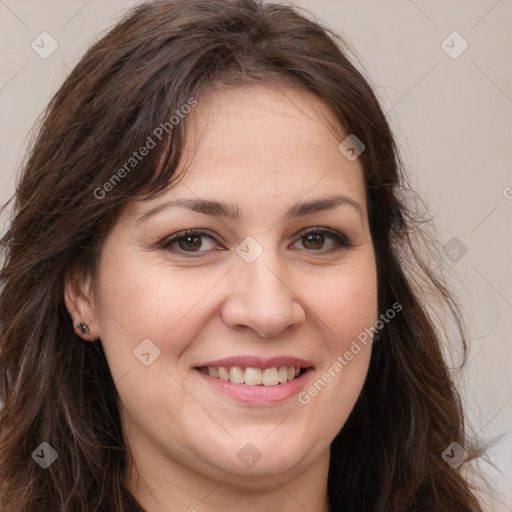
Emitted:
pixel 339 239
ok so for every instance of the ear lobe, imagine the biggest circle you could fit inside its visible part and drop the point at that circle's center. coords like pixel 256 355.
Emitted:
pixel 80 305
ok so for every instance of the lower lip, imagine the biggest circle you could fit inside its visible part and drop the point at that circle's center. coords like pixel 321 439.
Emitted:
pixel 259 394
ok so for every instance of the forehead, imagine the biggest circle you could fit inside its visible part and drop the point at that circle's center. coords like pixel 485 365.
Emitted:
pixel 248 143
pixel 236 121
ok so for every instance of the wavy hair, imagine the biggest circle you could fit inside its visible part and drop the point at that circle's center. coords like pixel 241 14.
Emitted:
pixel 57 388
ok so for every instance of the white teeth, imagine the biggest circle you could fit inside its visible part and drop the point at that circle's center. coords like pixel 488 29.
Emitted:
pixel 283 374
pixel 253 376
pixel 223 373
pixel 270 377
pixel 236 375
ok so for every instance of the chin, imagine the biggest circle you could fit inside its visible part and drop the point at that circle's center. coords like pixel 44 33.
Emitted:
pixel 260 452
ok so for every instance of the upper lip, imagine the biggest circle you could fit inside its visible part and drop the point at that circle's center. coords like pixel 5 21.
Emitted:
pixel 258 362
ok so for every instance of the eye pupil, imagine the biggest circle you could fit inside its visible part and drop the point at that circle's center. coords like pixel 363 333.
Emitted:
pixel 313 237
pixel 184 242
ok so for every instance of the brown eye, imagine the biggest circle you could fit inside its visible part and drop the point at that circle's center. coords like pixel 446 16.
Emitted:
pixel 315 240
pixel 188 242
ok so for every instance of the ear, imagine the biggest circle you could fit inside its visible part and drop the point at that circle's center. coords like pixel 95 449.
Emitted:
pixel 80 304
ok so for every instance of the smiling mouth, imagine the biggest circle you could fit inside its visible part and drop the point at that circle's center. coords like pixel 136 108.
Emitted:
pixel 251 376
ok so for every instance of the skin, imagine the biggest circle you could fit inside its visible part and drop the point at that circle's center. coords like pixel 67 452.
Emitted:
pixel 263 149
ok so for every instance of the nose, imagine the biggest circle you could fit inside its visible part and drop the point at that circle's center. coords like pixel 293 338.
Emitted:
pixel 261 298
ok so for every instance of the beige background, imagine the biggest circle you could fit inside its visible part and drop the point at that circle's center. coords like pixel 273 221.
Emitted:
pixel 453 117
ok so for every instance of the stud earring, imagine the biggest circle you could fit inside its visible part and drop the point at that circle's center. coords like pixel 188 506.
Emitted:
pixel 83 328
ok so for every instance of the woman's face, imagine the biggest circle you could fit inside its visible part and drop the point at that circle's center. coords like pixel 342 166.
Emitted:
pixel 251 291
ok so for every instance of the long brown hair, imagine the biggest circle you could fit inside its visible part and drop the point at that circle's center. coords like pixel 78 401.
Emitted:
pixel 56 388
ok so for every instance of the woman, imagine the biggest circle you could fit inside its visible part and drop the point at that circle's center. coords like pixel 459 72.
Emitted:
pixel 208 299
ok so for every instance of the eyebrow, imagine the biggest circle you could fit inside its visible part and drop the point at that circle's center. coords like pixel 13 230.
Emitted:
pixel 231 211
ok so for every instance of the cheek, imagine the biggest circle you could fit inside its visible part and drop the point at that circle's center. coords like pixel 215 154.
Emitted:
pixel 346 307
pixel 346 304
pixel 134 303
pixel 139 299
pixel 353 310
pixel 139 302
